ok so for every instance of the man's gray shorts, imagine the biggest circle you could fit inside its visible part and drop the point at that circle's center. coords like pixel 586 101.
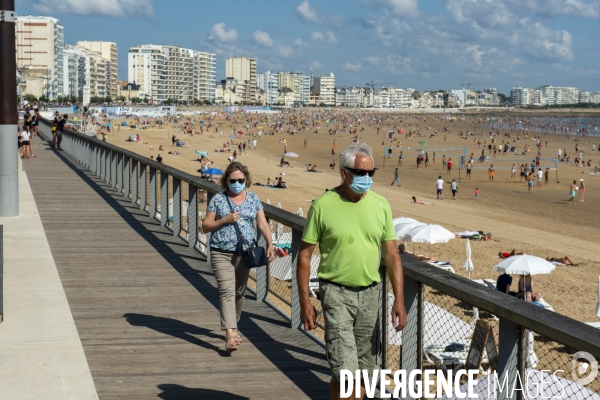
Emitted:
pixel 351 327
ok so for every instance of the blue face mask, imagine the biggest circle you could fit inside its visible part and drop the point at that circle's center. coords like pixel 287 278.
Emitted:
pixel 361 184
pixel 236 187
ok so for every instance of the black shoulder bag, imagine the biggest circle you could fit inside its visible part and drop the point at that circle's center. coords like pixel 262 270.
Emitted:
pixel 255 256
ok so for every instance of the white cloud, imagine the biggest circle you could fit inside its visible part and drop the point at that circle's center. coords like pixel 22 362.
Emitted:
pixel 308 14
pixel 262 38
pixel 327 37
pixel 220 34
pixel 353 66
pixel 399 8
pixel 314 65
pixel 108 8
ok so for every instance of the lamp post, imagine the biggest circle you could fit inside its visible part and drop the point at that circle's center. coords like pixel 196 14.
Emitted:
pixel 9 119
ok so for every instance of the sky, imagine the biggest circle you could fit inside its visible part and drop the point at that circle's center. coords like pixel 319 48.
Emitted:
pixel 419 44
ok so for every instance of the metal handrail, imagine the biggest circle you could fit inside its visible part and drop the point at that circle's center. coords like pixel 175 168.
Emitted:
pixel 122 168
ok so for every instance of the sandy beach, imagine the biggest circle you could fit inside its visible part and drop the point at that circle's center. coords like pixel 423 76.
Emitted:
pixel 541 223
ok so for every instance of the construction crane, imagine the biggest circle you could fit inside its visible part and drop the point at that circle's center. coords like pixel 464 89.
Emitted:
pixel 468 84
pixel 372 84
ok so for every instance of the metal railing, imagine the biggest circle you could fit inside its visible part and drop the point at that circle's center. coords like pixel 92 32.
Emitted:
pixel 448 315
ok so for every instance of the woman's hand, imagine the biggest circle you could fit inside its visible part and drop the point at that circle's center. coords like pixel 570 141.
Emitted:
pixel 270 252
pixel 232 218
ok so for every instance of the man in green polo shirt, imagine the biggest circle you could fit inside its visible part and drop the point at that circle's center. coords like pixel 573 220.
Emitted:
pixel 351 225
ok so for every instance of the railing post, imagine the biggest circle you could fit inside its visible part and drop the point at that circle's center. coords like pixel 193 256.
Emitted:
pixel 164 198
pixel 510 358
pixel 119 186
pixel 192 216
pixel 126 176
pixel 262 274
pixel 412 342
pixel 134 181
pixel 113 169
pixel 142 186
pixel 296 238
pixel 176 206
pixel 383 326
pixel 152 192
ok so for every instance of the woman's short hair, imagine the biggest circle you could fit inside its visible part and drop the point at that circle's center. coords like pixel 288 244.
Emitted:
pixel 235 166
pixel 349 155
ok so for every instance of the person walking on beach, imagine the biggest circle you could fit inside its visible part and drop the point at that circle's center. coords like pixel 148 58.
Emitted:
pixel 396 178
pixel 235 205
pixel 573 191
pixel 351 225
pixel 581 190
pixel 530 183
pixel 491 173
pixel 439 185
pixel 454 188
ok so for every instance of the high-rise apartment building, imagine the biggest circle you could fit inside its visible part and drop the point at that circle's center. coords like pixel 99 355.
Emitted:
pixel 324 88
pixel 39 45
pixel 268 83
pixel 172 72
pixel 243 69
pixel 108 51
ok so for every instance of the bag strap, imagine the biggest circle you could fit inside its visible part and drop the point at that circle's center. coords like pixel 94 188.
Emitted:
pixel 240 245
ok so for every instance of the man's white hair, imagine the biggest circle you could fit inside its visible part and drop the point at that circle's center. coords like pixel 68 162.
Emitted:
pixel 349 155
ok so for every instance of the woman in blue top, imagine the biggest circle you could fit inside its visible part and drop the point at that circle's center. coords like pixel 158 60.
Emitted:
pixel 234 205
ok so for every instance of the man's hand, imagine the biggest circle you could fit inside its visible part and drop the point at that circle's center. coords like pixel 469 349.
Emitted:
pixel 399 317
pixel 308 316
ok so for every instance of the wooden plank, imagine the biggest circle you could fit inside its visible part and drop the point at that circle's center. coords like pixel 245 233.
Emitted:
pixel 146 305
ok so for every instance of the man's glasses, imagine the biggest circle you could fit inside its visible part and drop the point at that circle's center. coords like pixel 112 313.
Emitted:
pixel 232 181
pixel 361 172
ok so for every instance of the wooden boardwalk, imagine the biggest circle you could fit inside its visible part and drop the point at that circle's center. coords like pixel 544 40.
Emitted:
pixel 145 305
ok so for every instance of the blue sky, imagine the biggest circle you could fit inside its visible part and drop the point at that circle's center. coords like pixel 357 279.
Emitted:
pixel 422 44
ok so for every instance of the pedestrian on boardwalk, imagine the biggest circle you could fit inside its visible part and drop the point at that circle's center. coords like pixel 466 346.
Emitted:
pixel 235 205
pixel 350 224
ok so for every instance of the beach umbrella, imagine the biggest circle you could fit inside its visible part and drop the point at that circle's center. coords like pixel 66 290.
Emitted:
pixel 598 304
pixel 213 171
pixel 423 143
pixel 468 264
pixel 524 265
pixel 290 154
pixel 429 234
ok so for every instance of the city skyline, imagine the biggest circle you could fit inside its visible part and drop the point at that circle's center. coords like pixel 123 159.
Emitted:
pixel 504 45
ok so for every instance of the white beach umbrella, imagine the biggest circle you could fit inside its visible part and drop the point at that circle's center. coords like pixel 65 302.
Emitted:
pixel 525 265
pixel 403 228
pixel 429 234
pixel 468 264
pixel 598 304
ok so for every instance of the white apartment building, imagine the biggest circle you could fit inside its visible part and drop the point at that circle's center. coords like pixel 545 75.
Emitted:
pixel 269 84
pixel 108 51
pixel 348 96
pixel 74 70
pixel 171 72
pixel 520 97
pixel 39 46
pixel 324 88
pixel 244 69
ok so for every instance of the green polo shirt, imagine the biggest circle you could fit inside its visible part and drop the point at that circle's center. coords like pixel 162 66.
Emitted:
pixel 349 236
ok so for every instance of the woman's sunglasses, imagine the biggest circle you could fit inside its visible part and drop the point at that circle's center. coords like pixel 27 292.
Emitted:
pixel 232 181
pixel 361 172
